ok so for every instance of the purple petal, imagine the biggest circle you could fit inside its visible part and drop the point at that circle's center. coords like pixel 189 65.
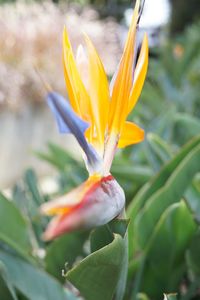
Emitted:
pixel 69 122
pixel 67 110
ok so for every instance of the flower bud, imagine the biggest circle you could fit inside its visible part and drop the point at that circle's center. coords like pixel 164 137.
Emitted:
pixel 96 202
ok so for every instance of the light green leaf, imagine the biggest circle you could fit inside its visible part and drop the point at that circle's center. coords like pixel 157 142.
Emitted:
pixel 141 296
pixel 170 297
pixel 13 228
pixel 97 276
pixel 32 282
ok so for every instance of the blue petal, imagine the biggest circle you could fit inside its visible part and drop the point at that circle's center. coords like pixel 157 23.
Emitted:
pixel 53 98
pixel 69 122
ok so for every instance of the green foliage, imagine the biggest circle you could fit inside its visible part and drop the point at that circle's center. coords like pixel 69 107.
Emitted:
pixel 34 284
pixel 15 234
pixel 65 249
pixel 6 288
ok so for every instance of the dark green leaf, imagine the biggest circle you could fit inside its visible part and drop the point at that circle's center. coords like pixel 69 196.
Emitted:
pixel 192 198
pixel 104 235
pixel 119 226
pixel 193 255
pixel 7 291
pixel 97 276
pixel 64 250
pixel 100 237
pixel 165 264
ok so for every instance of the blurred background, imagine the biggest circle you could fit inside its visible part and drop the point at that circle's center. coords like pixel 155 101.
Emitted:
pixel 30 36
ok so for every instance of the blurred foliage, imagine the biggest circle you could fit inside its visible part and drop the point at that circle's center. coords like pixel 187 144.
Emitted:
pixel 183 14
pixel 161 178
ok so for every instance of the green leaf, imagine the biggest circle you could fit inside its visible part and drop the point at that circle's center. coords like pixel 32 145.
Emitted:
pixel 58 157
pixel 100 237
pixel 160 179
pixel 170 297
pixel 166 188
pixel 186 126
pixel 157 151
pixel 19 198
pixel 104 235
pixel 32 184
pixel 64 250
pixel 13 228
pixel 141 296
pixel 119 226
pixel 171 192
pixel 7 291
pixel 193 256
pixel 123 170
pixel 97 276
pixel 165 264
pixel 32 282
pixel 27 198
pixel 192 198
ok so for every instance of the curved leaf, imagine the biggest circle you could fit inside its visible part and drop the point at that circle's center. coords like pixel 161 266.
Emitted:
pixel 169 193
pixel 7 291
pixel 32 282
pixel 98 274
pixel 165 188
pixel 64 250
pixel 13 228
pixel 165 264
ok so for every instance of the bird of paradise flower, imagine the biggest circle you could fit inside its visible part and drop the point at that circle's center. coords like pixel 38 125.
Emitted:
pixel 96 116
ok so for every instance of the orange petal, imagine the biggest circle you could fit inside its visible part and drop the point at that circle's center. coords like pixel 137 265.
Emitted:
pixel 123 83
pixel 78 95
pixel 98 91
pixel 131 134
pixel 139 75
pixel 66 203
